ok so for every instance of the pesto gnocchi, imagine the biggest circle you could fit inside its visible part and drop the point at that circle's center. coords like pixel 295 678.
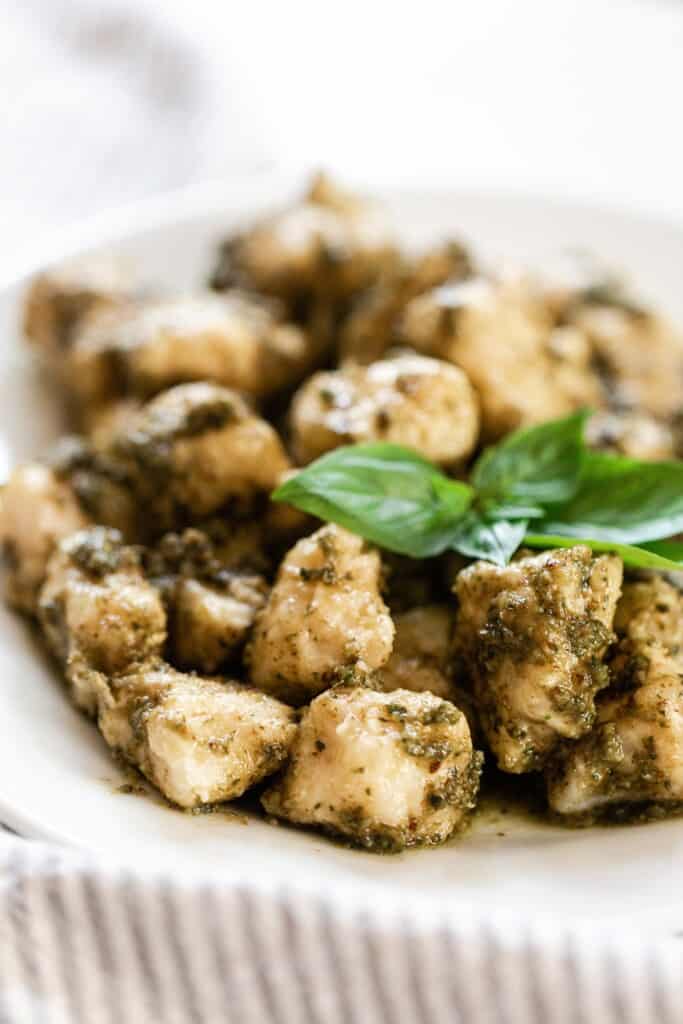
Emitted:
pixel 226 645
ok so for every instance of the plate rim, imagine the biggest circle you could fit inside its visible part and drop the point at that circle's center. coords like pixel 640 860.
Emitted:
pixel 116 224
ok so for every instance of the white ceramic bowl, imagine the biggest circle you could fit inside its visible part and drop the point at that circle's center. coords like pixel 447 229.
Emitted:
pixel 57 779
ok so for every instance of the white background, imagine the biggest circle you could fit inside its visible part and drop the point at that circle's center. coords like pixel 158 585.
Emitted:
pixel 109 101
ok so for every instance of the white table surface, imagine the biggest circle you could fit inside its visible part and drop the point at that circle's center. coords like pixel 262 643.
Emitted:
pixel 107 101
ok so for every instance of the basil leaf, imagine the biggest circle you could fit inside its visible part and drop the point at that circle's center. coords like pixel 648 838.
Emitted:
pixel 504 511
pixel 534 466
pixel 385 493
pixel 493 540
pixel 670 549
pixel 663 557
pixel 621 500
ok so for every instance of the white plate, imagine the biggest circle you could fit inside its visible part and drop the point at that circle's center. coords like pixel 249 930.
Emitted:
pixel 56 777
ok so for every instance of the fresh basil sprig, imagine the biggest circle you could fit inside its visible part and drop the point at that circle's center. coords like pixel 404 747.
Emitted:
pixel 541 486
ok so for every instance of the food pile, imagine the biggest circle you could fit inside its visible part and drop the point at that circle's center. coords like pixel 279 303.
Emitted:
pixel 224 641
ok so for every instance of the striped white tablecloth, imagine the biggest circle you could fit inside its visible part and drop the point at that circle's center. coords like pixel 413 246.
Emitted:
pixel 88 944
